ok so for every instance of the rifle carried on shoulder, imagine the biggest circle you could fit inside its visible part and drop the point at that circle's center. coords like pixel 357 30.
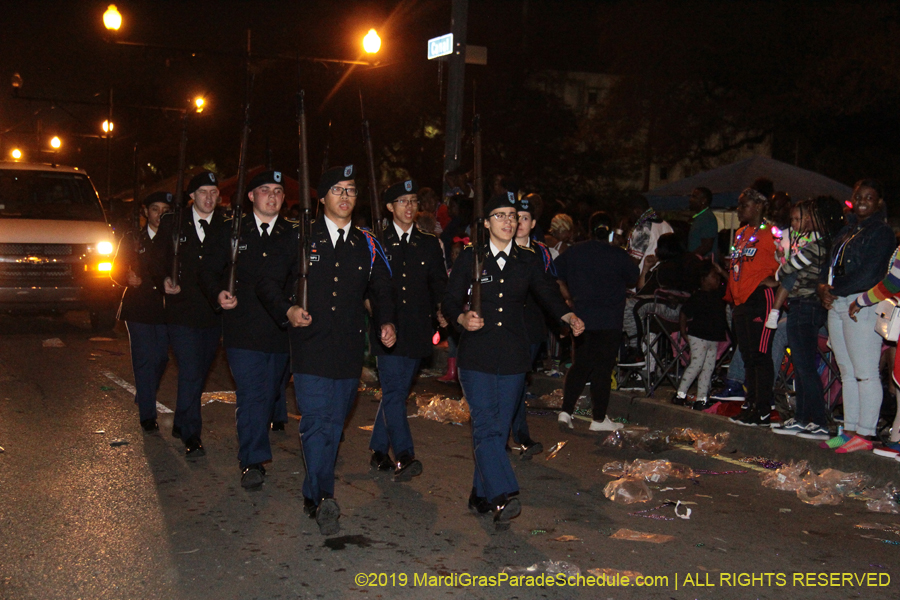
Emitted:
pixel 135 190
pixel 179 201
pixel 478 231
pixel 373 187
pixel 237 201
pixel 305 224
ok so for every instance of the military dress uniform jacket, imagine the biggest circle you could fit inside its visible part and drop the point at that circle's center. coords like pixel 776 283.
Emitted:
pixel 190 307
pixel 333 345
pixel 142 304
pixel 501 347
pixel 535 320
pixel 249 325
pixel 419 279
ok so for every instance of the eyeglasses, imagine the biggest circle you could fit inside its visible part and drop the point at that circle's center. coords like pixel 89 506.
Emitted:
pixel 406 201
pixel 501 217
pixel 339 191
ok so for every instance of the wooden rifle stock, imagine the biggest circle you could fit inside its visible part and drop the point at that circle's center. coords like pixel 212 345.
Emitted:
pixel 373 186
pixel 179 201
pixel 305 223
pixel 478 231
pixel 237 201
pixel 135 190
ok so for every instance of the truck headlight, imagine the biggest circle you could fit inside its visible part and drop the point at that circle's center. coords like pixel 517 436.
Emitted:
pixel 104 266
pixel 104 248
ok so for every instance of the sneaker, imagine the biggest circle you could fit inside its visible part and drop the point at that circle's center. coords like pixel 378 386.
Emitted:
pixel 746 411
pixel 889 450
pixel 814 431
pixel 855 444
pixel 604 425
pixel 772 319
pixel 755 419
pixel 789 427
pixel 565 421
pixel 703 404
pixel 733 392
pixel 835 442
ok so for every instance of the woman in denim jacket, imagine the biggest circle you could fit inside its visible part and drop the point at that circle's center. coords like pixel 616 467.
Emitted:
pixel 860 254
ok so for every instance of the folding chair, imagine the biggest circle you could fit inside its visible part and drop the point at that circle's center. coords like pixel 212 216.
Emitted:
pixel 666 354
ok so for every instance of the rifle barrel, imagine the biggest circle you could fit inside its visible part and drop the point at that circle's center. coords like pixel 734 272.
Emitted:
pixel 303 251
pixel 478 225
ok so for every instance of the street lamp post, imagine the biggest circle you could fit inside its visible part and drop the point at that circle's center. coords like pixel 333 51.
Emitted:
pixel 112 20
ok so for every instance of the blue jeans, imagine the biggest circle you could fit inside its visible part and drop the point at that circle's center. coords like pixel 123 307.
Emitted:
pixel 149 357
pixel 492 401
pixel 804 320
pixel 195 349
pixel 391 429
pixel 324 404
pixel 857 350
pixel 258 376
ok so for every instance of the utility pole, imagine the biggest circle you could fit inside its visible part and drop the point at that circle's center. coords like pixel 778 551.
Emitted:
pixel 456 86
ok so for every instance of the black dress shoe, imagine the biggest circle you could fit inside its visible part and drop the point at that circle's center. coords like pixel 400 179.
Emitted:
pixel 505 509
pixel 193 448
pixel 381 461
pixel 530 448
pixel 327 515
pixel 253 477
pixel 309 507
pixel 149 425
pixel 478 505
pixel 176 431
pixel 703 404
pixel 278 425
pixel 406 468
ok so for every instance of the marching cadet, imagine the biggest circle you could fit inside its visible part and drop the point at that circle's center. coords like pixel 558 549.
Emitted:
pixel 328 341
pixel 194 326
pixel 256 346
pixel 535 322
pixel 494 349
pixel 143 309
pixel 419 278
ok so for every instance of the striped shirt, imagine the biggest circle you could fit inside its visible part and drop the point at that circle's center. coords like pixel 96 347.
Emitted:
pixel 886 288
pixel 800 273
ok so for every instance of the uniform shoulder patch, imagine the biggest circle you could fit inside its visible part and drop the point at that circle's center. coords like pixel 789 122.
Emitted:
pixel 425 233
pixel 291 221
pixel 526 248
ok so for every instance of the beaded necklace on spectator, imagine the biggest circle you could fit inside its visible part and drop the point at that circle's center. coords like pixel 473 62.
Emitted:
pixel 742 241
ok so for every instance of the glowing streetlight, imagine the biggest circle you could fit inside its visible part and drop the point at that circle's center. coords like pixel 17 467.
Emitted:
pixel 108 126
pixel 56 143
pixel 372 43
pixel 112 19
pixel 199 103
pixel 16 154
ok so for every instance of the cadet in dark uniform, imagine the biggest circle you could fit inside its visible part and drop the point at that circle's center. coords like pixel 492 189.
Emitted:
pixel 535 322
pixel 328 342
pixel 256 346
pixel 142 308
pixel 420 278
pixel 494 350
pixel 194 326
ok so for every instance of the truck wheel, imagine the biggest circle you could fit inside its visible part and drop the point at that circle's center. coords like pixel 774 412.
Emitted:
pixel 102 320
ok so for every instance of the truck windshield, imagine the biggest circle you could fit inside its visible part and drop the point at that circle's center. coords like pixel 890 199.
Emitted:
pixel 47 195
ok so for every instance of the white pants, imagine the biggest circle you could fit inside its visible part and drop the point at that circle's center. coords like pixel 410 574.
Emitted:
pixel 703 362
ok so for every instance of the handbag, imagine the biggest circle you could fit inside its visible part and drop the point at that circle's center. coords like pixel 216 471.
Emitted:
pixel 887 321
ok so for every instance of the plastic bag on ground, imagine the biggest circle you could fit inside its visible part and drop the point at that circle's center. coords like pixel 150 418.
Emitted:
pixel 640 536
pixel 627 491
pixel 656 471
pixel 788 478
pixel 817 491
pixel 548 567
pixel 611 573
pixel 444 410
pixel 707 443
pixel 653 442
pixel 615 468
pixel 552 400
pixel 845 483
pixel 624 438
pixel 883 500
pixel 683 435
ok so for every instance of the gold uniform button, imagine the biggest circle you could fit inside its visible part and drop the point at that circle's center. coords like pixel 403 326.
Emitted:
pixel 360 268
pixel 334 293
pixel 264 254
pixel 404 274
pixel 500 295
pixel 404 302
pixel 500 309
pixel 500 324
pixel 337 264
pixel 334 308
pixel 335 278
pixel 501 281
pixel 404 288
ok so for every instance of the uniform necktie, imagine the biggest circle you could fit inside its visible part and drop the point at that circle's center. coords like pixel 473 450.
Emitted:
pixel 404 240
pixel 500 257
pixel 205 227
pixel 340 241
pixel 265 230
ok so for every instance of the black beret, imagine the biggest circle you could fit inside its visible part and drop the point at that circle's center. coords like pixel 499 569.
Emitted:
pixel 525 205
pixel 164 197
pixel 201 179
pixel 507 200
pixel 400 189
pixel 509 184
pixel 264 178
pixel 333 176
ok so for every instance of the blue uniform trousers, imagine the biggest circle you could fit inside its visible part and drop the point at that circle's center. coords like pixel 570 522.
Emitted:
pixel 195 349
pixel 492 401
pixel 279 410
pixel 324 404
pixel 520 432
pixel 149 357
pixel 258 376
pixel 391 429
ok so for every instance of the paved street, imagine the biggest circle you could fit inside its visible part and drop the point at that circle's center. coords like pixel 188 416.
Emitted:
pixel 83 517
